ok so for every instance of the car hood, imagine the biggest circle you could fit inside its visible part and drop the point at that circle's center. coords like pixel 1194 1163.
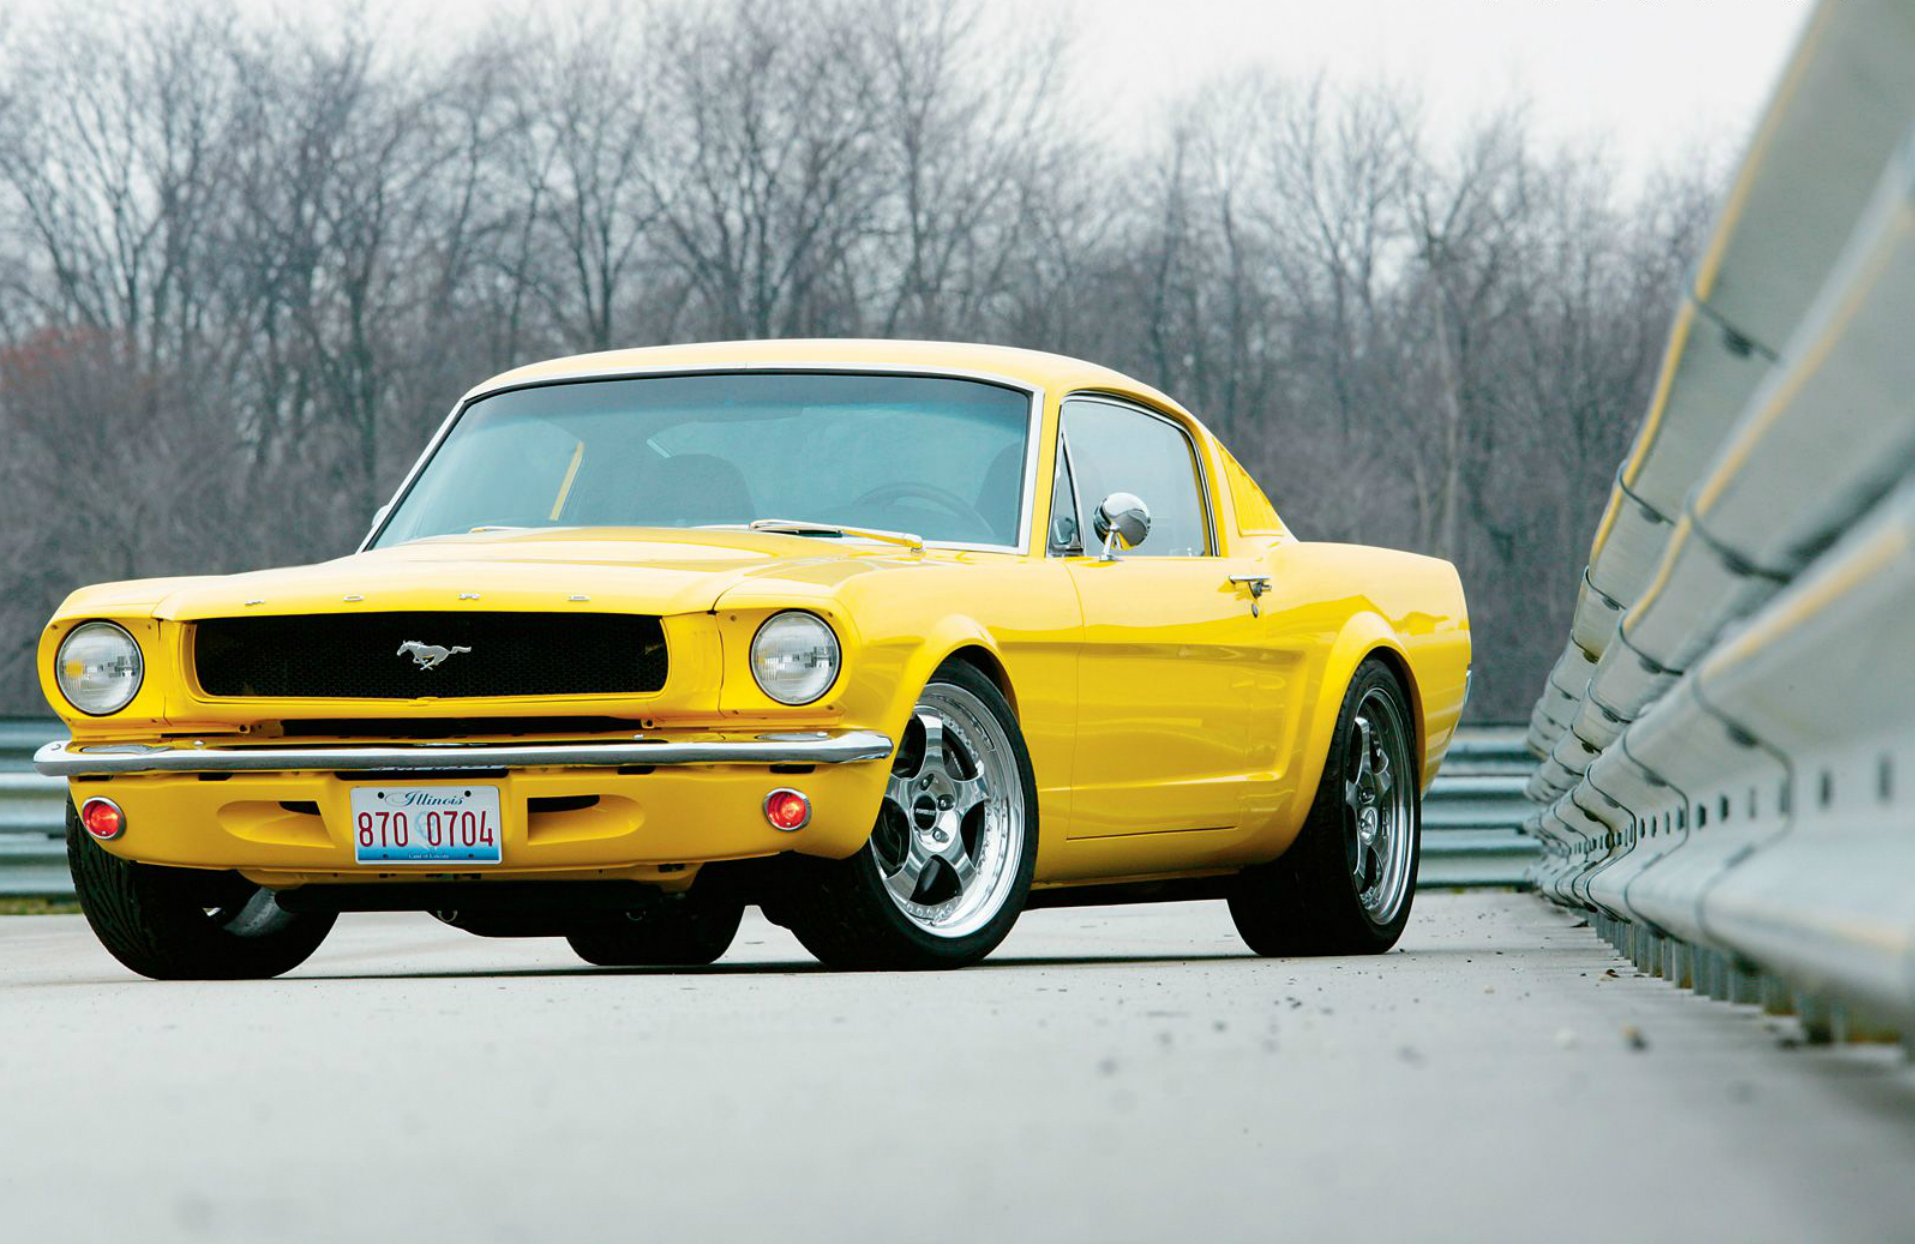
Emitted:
pixel 659 572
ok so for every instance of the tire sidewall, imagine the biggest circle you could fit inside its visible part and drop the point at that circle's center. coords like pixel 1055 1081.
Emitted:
pixel 149 918
pixel 975 945
pixel 888 939
pixel 1373 675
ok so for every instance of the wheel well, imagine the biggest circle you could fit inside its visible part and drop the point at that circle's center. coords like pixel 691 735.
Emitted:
pixel 989 665
pixel 1397 665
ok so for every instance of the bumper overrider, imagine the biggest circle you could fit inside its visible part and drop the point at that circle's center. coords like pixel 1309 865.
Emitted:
pixel 649 809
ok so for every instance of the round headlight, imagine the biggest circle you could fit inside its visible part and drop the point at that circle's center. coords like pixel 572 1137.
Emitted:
pixel 795 657
pixel 98 668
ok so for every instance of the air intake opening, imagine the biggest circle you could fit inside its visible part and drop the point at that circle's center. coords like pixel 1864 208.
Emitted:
pixel 562 803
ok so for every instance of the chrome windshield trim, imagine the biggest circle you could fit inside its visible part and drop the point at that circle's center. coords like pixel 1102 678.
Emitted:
pixel 63 759
pixel 1036 402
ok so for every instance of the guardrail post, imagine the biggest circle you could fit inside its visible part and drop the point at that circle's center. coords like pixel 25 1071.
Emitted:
pixel 1816 1017
pixel 1679 964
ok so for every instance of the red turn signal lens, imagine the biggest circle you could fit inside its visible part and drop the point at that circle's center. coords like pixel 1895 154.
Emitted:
pixel 103 819
pixel 788 810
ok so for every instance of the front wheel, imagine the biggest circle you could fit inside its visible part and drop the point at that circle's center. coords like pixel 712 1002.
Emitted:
pixel 1345 887
pixel 183 924
pixel 946 871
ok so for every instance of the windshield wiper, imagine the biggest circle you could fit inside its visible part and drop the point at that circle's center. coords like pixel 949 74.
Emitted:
pixel 824 529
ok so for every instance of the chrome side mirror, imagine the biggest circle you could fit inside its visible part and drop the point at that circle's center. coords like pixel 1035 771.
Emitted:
pixel 1122 521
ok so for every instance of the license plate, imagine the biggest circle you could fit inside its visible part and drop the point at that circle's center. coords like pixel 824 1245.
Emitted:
pixel 426 824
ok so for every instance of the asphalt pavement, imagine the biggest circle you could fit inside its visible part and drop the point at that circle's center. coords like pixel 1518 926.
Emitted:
pixel 1114 1074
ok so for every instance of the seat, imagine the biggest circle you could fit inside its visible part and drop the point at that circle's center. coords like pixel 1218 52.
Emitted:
pixel 697 489
pixel 999 497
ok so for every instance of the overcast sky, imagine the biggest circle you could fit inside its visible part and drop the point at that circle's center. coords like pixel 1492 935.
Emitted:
pixel 1653 78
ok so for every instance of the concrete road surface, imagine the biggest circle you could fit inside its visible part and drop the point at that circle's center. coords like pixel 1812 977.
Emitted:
pixel 1118 1074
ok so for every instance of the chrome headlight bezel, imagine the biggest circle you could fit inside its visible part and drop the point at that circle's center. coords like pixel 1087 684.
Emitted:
pixel 775 643
pixel 132 661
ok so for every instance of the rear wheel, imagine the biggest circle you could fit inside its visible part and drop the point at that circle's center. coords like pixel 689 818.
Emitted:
pixel 946 871
pixel 1345 887
pixel 182 924
pixel 681 933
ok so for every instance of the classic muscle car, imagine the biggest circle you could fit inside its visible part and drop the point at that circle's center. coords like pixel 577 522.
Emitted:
pixel 892 640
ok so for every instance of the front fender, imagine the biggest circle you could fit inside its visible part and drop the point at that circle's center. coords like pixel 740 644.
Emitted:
pixel 948 635
pixel 880 695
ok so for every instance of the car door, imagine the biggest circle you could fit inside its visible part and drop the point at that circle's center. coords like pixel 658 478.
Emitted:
pixel 1166 673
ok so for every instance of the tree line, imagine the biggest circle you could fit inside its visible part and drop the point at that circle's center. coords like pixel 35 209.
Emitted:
pixel 246 264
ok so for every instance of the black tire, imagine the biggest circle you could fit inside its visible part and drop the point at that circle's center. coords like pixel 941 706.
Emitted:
pixel 841 910
pixel 681 933
pixel 1308 902
pixel 182 924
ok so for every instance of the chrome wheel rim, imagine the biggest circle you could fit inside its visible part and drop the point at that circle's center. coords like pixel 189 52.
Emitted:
pixel 1379 788
pixel 952 828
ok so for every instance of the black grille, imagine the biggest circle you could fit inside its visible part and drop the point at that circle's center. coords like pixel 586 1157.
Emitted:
pixel 362 655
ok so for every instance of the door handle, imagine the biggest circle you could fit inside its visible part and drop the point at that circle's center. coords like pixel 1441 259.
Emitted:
pixel 1256 584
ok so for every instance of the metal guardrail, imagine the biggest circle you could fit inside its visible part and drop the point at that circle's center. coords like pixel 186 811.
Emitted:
pixel 1471 821
pixel 33 854
pixel 1726 744
pixel 1471 831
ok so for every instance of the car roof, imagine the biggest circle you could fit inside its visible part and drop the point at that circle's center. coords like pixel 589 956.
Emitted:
pixel 1043 370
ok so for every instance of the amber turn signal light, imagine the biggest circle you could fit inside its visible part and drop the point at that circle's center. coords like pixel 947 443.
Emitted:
pixel 103 819
pixel 788 810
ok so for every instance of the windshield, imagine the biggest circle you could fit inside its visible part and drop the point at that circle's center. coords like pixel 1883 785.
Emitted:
pixel 939 457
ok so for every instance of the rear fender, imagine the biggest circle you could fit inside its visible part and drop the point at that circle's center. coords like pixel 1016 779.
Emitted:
pixel 1364 634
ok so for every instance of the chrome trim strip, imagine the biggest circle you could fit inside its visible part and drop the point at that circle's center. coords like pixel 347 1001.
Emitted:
pixel 1065 448
pixel 63 759
pixel 384 512
pixel 1036 395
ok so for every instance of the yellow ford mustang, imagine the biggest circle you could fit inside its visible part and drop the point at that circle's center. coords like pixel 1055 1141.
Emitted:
pixel 890 639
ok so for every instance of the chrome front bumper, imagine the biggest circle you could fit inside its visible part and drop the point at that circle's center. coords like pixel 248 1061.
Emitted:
pixel 63 759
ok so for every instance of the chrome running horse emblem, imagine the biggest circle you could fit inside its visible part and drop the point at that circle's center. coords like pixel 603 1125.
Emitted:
pixel 430 657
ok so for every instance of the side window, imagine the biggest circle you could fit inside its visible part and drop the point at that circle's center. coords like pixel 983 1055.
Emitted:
pixel 1116 448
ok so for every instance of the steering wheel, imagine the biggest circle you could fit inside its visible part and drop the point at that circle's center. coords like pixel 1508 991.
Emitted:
pixel 888 492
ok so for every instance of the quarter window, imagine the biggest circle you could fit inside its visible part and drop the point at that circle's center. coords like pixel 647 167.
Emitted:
pixel 1116 448
pixel 1063 525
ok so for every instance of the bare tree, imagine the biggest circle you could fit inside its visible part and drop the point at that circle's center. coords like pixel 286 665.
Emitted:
pixel 246 261
pixel 773 184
